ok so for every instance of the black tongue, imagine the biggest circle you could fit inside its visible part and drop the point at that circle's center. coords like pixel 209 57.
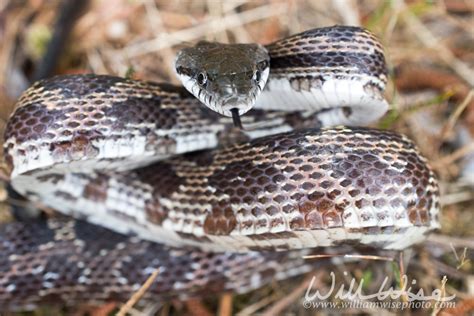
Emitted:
pixel 236 118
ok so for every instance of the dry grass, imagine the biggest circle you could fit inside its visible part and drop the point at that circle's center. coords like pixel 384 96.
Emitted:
pixel 118 36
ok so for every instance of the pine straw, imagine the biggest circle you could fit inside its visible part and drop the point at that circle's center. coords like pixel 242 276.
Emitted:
pixel 120 36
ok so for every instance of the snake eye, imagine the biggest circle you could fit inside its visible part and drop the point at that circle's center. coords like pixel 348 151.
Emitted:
pixel 257 75
pixel 202 78
pixel 262 65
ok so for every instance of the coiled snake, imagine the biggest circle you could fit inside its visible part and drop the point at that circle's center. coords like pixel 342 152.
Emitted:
pixel 105 150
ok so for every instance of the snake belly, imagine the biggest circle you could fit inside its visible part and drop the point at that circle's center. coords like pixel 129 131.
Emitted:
pixel 110 151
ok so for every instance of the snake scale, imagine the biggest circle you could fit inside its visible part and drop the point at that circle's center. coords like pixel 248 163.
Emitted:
pixel 140 159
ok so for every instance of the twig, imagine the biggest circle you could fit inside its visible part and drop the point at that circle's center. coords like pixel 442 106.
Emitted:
pixel 447 129
pixel 251 309
pixel 277 308
pixel 455 198
pixel 462 261
pixel 347 10
pixel 215 10
pixel 225 305
pixel 96 62
pixel 138 294
pixel 448 241
pixel 428 39
pixel 443 294
pixel 157 26
pixel 458 154
pixel 12 81
pixel 364 257
pixel 401 266
pixel 240 33
pixel 212 25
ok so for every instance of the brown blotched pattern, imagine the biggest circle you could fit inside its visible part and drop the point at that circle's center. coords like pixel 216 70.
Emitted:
pixel 309 180
pixel 68 114
pixel 63 262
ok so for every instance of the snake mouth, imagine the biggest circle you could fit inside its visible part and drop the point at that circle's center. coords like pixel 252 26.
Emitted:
pixel 241 103
pixel 224 98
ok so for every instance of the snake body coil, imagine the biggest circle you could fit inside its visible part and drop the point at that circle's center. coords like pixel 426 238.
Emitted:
pixel 105 149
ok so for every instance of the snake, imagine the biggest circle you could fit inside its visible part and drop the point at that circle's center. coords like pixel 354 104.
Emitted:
pixel 147 176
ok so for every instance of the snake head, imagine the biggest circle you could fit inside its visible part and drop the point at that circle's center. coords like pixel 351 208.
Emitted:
pixel 224 76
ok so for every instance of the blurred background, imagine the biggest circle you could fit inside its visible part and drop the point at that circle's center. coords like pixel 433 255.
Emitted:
pixel 429 47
